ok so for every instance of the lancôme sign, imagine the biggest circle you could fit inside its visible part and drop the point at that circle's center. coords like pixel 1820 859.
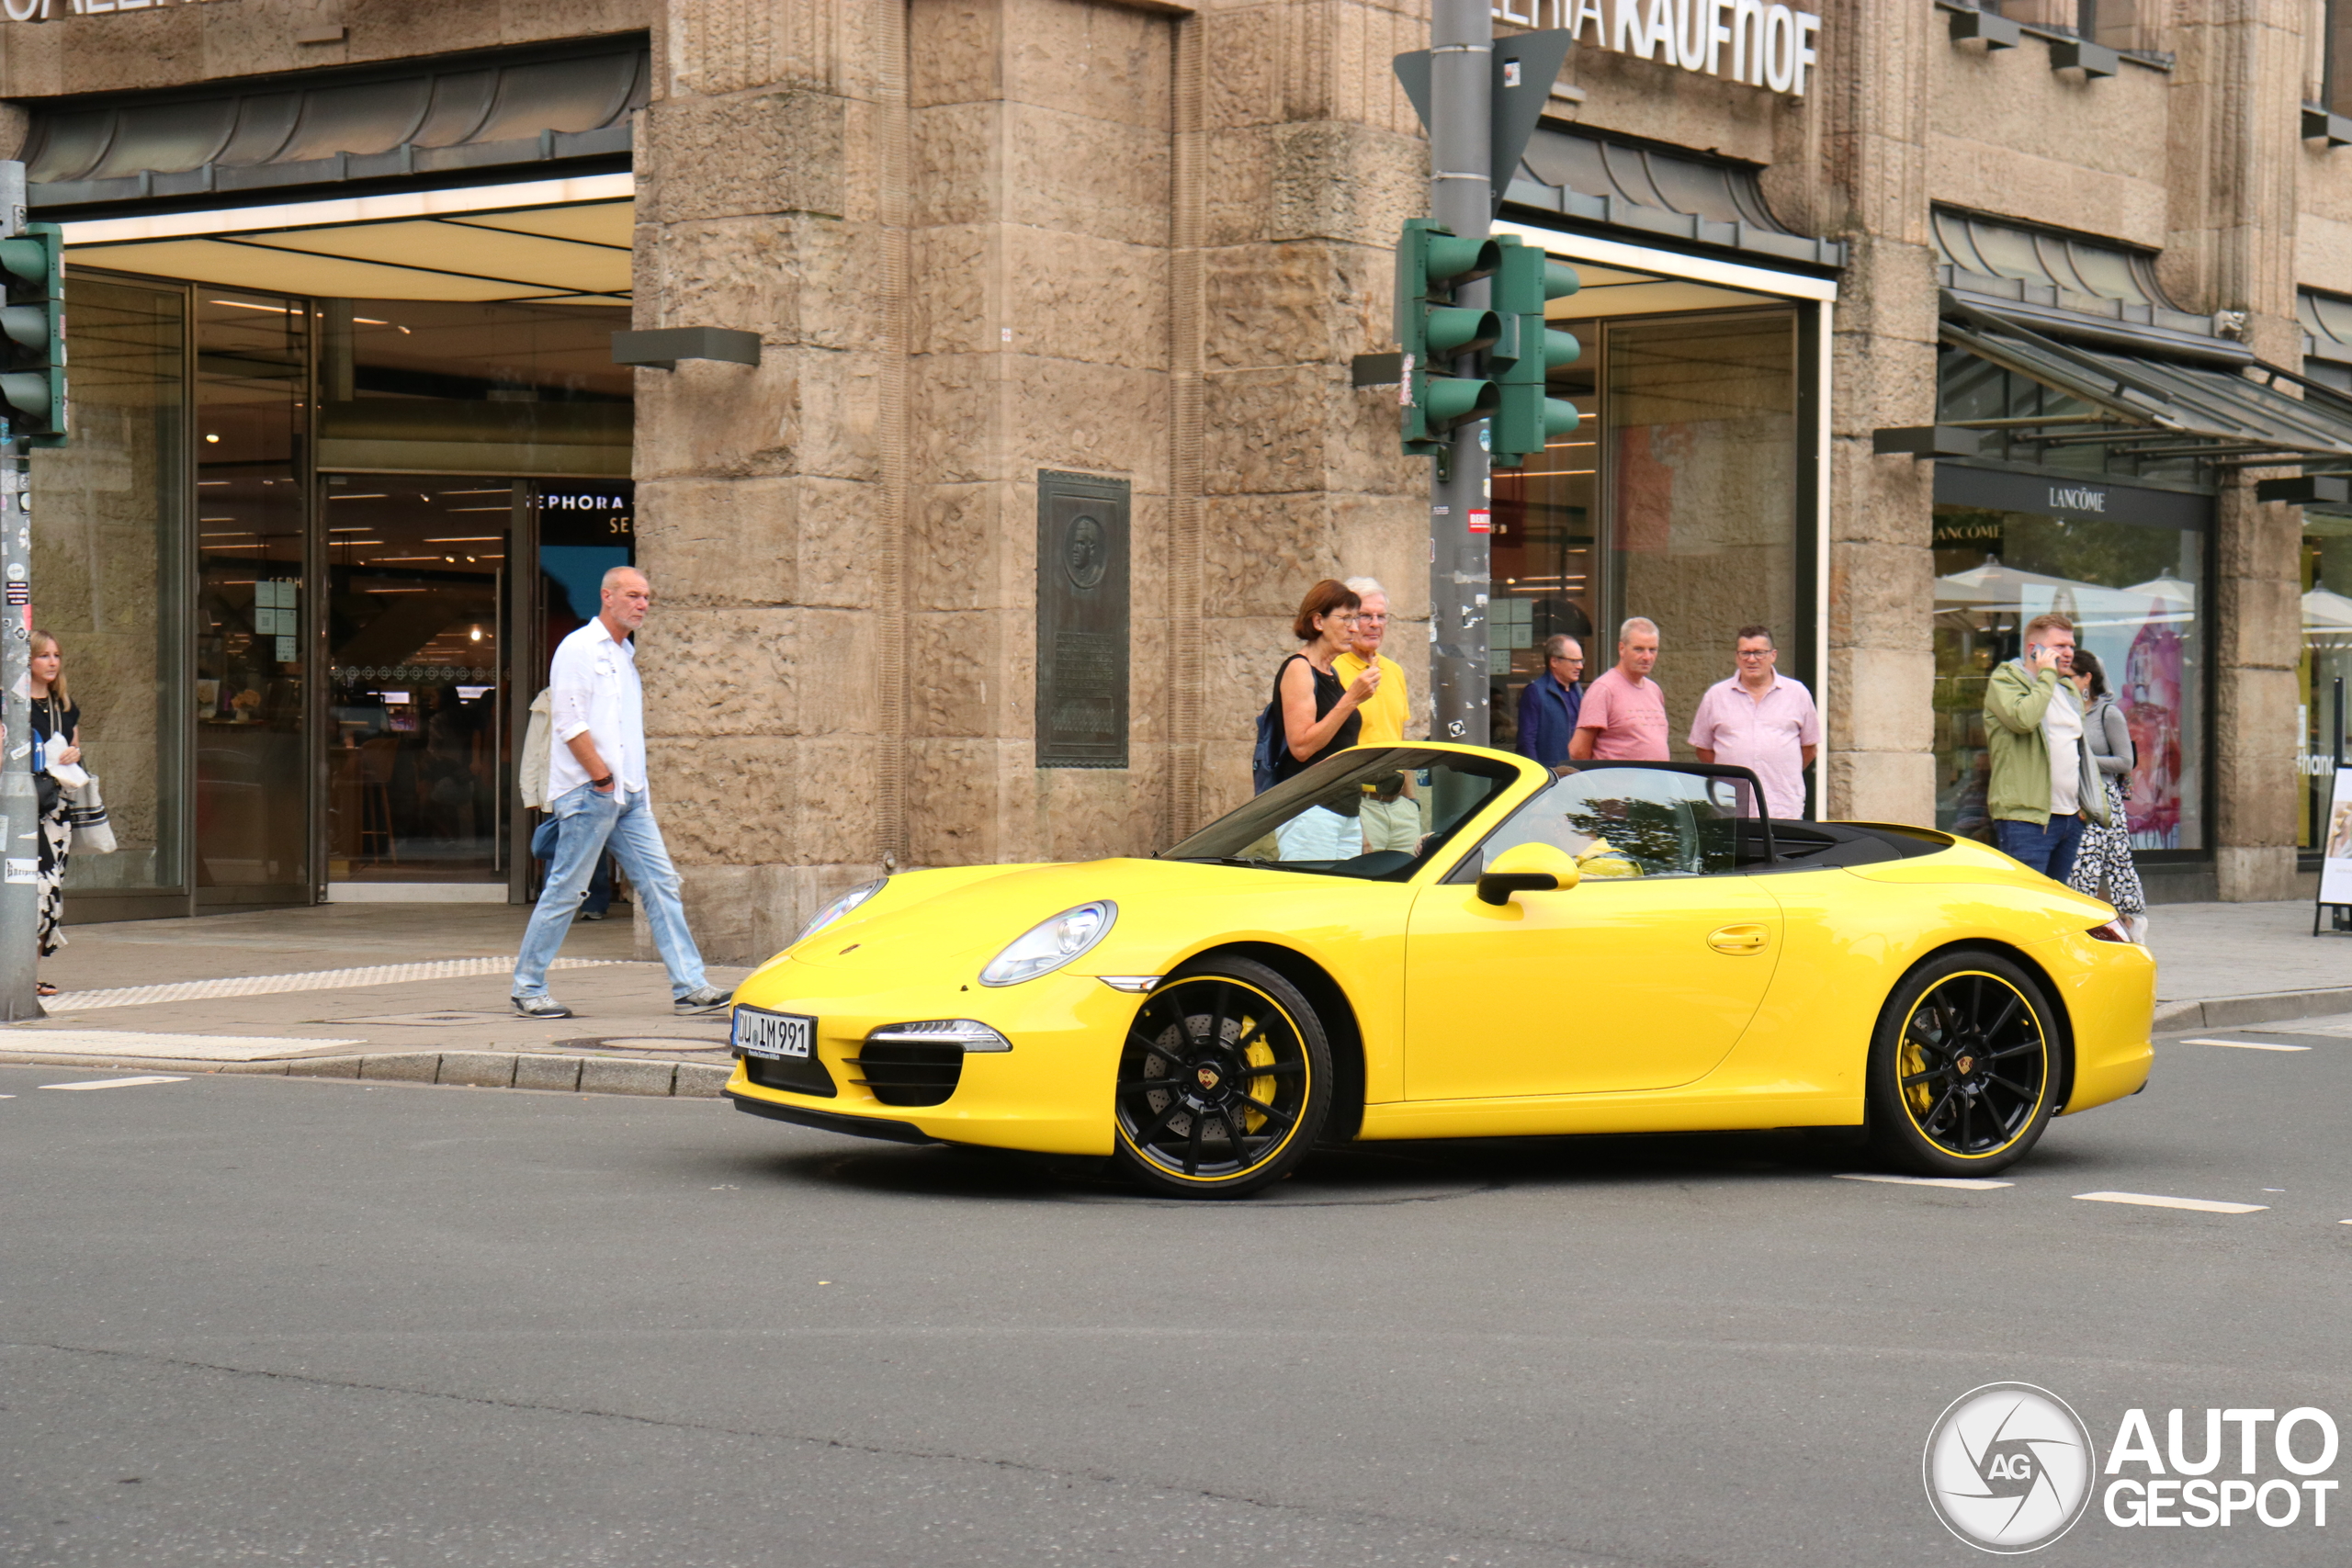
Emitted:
pixel 1762 42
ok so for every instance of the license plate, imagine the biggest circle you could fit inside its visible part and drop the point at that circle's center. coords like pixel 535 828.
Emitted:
pixel 761 1033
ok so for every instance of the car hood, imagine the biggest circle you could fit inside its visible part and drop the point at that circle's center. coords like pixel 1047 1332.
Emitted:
pixel 964 924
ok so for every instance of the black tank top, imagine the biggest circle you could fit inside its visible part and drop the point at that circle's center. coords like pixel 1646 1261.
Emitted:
pixel 1329 690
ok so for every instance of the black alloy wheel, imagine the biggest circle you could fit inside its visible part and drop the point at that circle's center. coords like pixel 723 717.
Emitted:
pixel 1964 1067
pixel 1224 1082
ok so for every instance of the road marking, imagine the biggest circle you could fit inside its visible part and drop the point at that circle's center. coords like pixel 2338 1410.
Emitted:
pixel 113 1083
pixel 2150 1200
pixel 166 1047
pixel 1968 1183
pixel 2243 1044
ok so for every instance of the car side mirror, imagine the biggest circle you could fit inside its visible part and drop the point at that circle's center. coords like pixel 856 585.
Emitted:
pixel 1528 868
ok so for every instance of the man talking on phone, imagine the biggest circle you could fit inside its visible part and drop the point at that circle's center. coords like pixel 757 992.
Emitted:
pixel 2044 783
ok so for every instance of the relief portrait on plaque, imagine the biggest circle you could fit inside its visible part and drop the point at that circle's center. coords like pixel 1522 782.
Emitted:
pixel 1082 616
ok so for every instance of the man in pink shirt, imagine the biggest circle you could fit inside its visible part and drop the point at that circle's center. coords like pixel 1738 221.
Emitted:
pixel 1761 720
pixel 1623 715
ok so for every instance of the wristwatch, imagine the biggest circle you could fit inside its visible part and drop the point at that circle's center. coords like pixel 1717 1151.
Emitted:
pixel 599 783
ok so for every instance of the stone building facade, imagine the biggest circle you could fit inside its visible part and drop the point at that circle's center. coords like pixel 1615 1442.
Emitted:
pixel 983 242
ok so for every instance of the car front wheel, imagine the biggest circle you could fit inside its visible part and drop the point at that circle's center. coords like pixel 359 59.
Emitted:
pixel 1964 1067
pixel 1224 1082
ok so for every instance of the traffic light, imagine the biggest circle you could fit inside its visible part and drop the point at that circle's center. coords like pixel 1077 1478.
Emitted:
pixel 1526 349
pixel 1431 263
pixel 32 336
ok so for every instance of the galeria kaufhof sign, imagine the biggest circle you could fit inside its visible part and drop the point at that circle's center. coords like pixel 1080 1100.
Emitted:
pixel 1764 45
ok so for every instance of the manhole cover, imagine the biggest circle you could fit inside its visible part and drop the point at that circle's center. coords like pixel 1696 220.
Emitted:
pixel 431 1019
pixel 644 1042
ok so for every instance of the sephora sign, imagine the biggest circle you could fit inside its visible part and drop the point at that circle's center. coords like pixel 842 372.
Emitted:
pixel 1767 45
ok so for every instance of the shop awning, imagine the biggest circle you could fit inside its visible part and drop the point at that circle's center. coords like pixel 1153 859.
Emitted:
pixel 1659 193
pixel 511 114
pixel 2241 416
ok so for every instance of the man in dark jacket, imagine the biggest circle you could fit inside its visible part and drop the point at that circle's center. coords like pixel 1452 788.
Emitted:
pixel 1548 705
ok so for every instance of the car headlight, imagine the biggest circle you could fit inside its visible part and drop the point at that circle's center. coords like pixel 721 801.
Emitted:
pixel 838 907
pixel 1045 948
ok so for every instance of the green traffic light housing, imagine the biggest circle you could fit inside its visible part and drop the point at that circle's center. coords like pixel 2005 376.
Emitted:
pixel 32 336
pixel 1433 332
pixel 1526 352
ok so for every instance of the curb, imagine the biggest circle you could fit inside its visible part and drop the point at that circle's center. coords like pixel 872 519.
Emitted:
pixel 471 1069
pixel 2238 1012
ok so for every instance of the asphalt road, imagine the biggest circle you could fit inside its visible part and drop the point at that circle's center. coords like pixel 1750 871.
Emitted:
pixel 255 1320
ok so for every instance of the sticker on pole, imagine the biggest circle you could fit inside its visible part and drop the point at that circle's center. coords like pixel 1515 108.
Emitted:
pixel 23 870
pixel 1481 520
pixel 20 593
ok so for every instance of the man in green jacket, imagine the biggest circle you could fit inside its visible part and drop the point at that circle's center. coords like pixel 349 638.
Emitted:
pixel 2044 783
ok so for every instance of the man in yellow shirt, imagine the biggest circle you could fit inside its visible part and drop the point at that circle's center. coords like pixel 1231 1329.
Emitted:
pixel 1391 818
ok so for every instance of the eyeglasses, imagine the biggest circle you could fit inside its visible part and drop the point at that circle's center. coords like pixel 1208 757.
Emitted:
pixel 1754 653
pixel 1567 658
pixel 1381 619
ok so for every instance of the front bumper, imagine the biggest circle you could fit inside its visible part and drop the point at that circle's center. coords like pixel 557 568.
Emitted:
pixel 1050 1094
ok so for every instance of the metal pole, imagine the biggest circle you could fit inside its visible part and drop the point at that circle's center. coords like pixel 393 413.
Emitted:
pixel 1461 43
pixel 20 805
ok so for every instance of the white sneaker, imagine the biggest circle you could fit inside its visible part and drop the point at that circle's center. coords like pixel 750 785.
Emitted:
pixel 2136 928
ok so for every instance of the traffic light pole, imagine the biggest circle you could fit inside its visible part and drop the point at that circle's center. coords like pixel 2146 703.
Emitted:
pixel 1462 42
pixel 21 863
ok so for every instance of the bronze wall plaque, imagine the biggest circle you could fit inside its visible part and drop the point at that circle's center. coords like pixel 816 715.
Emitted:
pixel 1081 621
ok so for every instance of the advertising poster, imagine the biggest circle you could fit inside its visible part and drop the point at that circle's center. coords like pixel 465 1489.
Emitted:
pixel 2335 867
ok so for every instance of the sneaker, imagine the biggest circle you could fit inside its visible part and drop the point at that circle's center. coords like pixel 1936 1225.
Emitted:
pixel 592 914
pixel 540 1007
pixel 706 999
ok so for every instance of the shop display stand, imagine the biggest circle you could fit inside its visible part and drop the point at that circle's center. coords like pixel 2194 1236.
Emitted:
pixel 2334 894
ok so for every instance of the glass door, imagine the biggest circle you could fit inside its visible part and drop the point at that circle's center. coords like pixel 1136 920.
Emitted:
pixel 419 698
pixel 252 796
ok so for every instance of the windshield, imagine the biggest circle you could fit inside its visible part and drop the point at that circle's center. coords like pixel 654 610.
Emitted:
pixel 1375 813
pixel 1642 819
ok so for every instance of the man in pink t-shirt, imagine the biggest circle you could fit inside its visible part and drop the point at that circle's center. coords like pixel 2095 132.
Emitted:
pixel 1761 720
pixel 1623 717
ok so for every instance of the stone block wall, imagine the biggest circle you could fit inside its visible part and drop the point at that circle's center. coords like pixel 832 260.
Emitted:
pixel 979 239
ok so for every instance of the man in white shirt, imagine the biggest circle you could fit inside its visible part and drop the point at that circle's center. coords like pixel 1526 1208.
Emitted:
pixel 596 790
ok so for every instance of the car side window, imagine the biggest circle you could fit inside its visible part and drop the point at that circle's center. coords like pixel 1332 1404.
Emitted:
pixel 1620 822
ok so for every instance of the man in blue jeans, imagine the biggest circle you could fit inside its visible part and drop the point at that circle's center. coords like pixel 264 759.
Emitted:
pixel 596 790
pixel 2044 782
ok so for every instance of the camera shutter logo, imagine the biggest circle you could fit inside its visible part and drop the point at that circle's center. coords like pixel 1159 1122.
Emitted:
pixel 2010 1467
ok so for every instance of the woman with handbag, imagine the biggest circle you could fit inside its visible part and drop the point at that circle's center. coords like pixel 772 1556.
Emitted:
pixel 2103 865
pixel 57 740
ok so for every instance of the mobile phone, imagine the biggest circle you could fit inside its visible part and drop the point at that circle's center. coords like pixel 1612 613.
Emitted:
pixel 2032 653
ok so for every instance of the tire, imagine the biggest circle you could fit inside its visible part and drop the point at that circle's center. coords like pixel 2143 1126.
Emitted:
pixel 1964 1066
pixel 1224 1082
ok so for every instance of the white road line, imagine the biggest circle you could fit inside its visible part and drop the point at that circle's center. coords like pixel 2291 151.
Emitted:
pixel 2243 1044
pixel 166 1047
pixel 1967 1183
pixel 113 1083
pixel 2150 1200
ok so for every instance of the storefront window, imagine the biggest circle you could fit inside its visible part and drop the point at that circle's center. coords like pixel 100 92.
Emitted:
pixel 1675 498
pixel 109 510
pixel 425 385
pixel 2132 580
pixel 253 418
pixel 2327 659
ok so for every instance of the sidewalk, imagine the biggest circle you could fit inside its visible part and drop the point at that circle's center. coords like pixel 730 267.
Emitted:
pixel 2224 965
pixel 411 992
pixel 417 993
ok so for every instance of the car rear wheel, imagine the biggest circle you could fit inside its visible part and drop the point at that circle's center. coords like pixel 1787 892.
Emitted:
pixel 1963 1069
pixel 1224 1082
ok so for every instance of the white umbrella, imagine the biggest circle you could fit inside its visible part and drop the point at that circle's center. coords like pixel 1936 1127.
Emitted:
pixel 2326 610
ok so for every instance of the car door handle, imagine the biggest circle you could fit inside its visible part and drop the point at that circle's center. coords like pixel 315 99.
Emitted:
pixel 1739 939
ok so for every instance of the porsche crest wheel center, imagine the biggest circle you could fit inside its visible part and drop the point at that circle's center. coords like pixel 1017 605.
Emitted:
pixel 1209 1078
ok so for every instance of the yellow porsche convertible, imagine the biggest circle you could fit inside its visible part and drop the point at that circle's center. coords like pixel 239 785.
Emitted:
pixel 1443 941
